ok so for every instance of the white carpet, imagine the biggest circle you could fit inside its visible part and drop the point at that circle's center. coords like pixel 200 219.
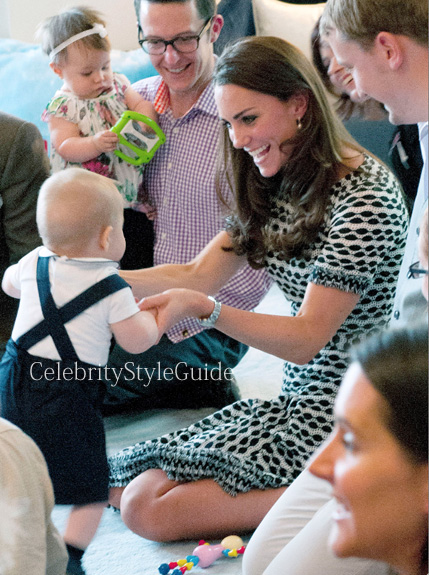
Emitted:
pixel 117 551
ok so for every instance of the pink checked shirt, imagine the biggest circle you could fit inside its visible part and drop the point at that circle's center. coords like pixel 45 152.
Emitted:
pixel 180 183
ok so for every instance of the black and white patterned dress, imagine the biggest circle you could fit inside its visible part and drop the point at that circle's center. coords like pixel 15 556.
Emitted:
pixel 263 444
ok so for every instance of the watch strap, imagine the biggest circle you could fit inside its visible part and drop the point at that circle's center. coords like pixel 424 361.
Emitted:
pixel 213 317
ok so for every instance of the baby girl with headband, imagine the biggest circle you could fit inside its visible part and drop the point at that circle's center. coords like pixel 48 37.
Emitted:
pixel 91 101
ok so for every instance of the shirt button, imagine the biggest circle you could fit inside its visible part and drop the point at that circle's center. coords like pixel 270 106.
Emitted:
pixel 185 333
pixel 396 314
pixel 169 165
pixel 175 130
pixel 163 235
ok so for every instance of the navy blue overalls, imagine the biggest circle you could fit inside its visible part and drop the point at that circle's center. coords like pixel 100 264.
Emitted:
pixel 61 413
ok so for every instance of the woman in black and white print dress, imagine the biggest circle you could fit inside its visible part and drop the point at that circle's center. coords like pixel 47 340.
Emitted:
pixel 329 224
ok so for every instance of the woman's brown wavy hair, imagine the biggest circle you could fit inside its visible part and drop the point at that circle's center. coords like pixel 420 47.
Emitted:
pixel 272 66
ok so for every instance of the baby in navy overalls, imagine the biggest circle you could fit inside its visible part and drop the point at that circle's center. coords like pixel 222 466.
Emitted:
pixel 71 301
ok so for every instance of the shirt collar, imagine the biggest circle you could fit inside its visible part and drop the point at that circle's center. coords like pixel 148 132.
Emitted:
pixel 423 129
pixel 162 98
pixel 423 135
pixel 45 252
pixel 205 102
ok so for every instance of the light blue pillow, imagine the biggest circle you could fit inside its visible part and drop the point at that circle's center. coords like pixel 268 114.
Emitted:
pixel 27 82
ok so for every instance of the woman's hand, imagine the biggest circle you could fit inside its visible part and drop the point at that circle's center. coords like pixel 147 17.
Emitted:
pixel 173 305
pixel 297 339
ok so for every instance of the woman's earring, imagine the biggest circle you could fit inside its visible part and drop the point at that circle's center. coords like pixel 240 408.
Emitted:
pixel 298 123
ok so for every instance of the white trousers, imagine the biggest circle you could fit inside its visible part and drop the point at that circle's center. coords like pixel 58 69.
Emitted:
pixel 292 538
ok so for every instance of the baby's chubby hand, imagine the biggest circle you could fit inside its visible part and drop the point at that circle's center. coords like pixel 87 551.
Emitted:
pixel 152 311
pixel 106 141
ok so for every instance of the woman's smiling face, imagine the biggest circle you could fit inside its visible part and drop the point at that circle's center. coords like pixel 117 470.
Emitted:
pixel 260 124
pixel 381 494
pixel 340 78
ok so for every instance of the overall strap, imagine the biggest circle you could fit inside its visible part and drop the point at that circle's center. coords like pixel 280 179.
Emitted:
pixel 73 308
pixel 51 313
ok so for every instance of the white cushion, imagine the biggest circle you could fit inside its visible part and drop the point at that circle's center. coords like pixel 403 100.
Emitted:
pixel 292 22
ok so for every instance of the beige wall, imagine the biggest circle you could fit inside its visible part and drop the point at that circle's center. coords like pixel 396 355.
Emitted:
pixel 25 15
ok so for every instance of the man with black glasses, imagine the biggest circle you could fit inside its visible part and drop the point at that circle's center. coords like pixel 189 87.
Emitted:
pixel 190 367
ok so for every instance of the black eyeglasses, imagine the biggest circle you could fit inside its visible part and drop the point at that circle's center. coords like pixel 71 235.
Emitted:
pixel 415 272
pixel 184 44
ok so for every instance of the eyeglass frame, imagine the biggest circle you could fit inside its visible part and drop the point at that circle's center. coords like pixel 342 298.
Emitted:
pixel 171 42
pixel 415 272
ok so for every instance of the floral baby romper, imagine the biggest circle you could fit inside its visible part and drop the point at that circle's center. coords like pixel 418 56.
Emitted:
pixel 92 116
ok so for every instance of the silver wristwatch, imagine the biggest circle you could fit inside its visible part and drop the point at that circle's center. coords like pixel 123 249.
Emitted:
pixel 213 317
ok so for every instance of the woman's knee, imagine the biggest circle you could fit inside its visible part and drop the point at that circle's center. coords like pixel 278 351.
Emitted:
pixel 142 508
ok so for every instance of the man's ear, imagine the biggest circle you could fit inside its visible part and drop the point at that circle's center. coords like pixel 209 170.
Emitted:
pixel 390 48
pixel 216 27
pixel 104 240
pixel 56 69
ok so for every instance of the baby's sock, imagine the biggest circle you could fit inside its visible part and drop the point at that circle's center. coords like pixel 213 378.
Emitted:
pixel 74 566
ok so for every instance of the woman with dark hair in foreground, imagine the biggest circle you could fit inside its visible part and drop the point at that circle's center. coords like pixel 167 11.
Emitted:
pixel 377 456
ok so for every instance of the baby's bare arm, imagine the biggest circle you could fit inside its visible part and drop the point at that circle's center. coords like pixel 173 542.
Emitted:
pixel 137 333
pixel 137 103
pixel 72 147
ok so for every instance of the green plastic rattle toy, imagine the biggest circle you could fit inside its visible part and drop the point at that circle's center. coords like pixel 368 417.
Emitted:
pixel 143 144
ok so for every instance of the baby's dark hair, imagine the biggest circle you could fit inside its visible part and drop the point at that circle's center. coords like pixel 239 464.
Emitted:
pixel 57 29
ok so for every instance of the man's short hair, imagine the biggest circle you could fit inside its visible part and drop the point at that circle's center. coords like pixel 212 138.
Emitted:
pixel 362 20
pixel 206 8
